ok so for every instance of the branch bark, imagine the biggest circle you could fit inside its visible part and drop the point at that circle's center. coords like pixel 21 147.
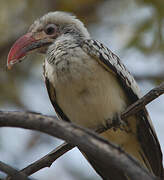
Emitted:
pixel 12 172
pixel 142 102
pixel 47 160
pixel 85 139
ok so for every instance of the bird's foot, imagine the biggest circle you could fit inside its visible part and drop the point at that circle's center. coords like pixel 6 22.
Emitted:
pixel 118 123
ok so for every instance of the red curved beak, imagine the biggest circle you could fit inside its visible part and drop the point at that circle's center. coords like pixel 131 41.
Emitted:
pixel 20 49
pixel 23 46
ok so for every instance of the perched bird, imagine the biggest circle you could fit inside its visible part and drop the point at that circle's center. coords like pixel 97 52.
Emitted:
pixel 87 84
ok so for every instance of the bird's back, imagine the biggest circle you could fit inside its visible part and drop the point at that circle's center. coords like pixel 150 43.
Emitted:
pixel 88 95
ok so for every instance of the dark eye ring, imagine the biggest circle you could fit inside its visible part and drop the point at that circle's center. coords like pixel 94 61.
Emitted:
pixel 50 29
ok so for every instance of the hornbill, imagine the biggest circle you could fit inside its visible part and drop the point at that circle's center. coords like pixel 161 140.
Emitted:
pixel 88 84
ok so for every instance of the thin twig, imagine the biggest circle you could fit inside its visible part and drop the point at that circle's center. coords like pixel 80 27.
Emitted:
pixel 48 159
pixel 142 102
pixel 12 172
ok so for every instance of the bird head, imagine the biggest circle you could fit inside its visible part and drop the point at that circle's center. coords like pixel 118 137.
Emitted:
pixel 44 32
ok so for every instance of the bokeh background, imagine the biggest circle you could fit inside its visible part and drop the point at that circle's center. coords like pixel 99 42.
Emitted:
pixel 132 29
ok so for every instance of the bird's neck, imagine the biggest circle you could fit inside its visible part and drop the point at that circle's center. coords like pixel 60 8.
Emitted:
pixel 72 39
pixel 61 46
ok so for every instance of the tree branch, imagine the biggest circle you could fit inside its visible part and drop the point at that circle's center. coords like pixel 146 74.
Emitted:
pixel 47 160
pixel 142 102
pixel 85 139
pixel 12 172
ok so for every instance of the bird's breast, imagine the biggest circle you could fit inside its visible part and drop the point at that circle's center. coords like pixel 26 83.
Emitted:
pixel 86 92
pixel 89 95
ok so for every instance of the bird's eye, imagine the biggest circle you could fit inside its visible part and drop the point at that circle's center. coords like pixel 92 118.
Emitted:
pixel 50 29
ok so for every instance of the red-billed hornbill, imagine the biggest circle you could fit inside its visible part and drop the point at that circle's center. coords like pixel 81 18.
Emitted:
pixel 87 84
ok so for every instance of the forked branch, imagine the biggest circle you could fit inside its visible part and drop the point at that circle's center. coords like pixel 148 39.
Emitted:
pixel 106 152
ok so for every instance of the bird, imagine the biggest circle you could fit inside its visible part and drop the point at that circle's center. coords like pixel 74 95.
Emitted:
pixel 88 85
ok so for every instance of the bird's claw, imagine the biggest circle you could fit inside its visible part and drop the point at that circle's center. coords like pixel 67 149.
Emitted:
pixel 118 123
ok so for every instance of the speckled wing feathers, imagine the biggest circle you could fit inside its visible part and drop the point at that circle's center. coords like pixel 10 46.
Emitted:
pixel 112 63
pixel 145 131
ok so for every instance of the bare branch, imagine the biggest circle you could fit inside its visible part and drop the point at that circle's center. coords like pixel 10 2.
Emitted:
pixel 142 102
pixel 85 139
pixel 12 172
pixel 48 159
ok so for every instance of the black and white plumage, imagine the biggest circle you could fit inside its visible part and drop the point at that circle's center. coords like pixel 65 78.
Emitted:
pixel 87 84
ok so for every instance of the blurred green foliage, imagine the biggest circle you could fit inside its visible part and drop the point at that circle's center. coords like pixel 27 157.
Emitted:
pixel 153 24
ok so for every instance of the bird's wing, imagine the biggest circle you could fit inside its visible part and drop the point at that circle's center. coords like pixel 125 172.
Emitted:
pixel 52 96
pixel 145 131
